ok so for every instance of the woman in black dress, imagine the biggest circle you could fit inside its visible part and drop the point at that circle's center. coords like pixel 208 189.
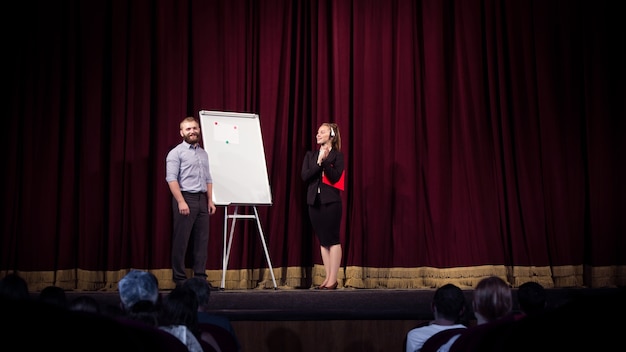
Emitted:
pixel 323 171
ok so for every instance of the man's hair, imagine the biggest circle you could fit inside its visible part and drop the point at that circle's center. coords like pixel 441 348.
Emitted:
pixel 449 301
pixel 14 287
pixel 188 119
pixel 201 288
pixel 138 286
pixel 531 297
pixel 53 295
pixel 180 307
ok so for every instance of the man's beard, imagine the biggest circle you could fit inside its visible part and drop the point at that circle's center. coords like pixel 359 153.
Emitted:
pixel 192 138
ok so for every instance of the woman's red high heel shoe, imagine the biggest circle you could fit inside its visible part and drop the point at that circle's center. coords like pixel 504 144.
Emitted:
pixel 331 287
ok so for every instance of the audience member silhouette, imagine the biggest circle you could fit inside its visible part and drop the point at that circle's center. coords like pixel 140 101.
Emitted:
pixel 53 327
pixel 85 303
pixel 532 298
pixel 448 307
pixel 140 297
pixel 202 289
pixel 144 311
pixel 492 302
pixel 14 287
pixel 138 286
pixel 179 317
pixel 141 304
pixel 53 295
pixel 586 322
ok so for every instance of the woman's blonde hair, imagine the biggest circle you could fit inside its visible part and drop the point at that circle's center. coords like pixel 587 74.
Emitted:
pixel 335 135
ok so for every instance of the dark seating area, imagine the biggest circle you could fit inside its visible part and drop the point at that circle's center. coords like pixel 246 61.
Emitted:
pixel 36 326
pixel 359 320
pixel 585 322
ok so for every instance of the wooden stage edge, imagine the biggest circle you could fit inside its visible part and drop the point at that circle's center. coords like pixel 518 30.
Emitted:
pixel 341 304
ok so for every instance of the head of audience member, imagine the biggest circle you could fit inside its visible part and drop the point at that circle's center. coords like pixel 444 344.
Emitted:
pixel 14 287
pixel 201 288
pixel 138 286
pixel 179 316
pixel 85 303
pixel 180 307
pixel 493 299
pixel 532 298
pixel 448 304
pixel 144 311
pixel 53 295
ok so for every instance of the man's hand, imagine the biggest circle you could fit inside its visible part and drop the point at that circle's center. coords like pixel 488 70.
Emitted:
pixel 183 208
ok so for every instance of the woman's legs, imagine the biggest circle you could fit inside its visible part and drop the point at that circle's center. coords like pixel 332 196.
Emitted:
pixel 326 219
pixel 325 252
pixel 332 261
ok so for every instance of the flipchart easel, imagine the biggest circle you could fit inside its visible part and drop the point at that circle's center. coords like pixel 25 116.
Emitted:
pixel 227 244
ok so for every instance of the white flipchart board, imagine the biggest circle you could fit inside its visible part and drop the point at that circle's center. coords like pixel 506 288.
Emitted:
pixel 236 157
pixel 234 143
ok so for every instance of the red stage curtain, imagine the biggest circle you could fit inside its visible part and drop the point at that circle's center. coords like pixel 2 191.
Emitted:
pixel 481 137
